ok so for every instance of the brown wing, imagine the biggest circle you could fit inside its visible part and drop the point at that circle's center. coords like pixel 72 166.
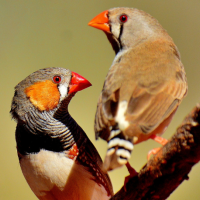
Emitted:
pixel 147 110
pixel 153 88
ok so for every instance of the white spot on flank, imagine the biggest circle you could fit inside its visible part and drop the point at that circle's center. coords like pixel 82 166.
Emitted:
pixel 63 91
pixel 120 118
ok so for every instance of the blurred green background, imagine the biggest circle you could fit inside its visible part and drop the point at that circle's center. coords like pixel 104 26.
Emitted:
pixel 46 33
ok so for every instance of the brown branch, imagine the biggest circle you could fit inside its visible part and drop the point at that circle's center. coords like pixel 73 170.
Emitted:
pixel 165 171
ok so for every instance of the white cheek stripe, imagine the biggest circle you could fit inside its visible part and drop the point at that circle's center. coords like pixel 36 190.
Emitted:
pixel 120 118
pixel 116 30
pixel 63 91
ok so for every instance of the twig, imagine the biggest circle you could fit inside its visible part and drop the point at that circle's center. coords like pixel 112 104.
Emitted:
pixel 165 171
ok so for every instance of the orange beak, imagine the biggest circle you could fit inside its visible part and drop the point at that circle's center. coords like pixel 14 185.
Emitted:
pixel 78 83
pixel 101 22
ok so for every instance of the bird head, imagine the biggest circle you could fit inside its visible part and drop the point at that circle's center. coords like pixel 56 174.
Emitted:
pixel 46 90
pixel 126 27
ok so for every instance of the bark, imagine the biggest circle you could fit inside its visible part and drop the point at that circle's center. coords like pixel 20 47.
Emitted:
pixel 165 171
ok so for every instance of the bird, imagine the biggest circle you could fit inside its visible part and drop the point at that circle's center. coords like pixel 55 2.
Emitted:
pixel 145 84
pixel 57 159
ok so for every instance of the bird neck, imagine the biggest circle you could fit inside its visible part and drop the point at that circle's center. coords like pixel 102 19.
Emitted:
pixel 114 42
pixel 49 130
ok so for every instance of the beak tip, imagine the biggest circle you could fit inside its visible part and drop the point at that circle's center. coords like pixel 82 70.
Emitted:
pixel 88 84
pixel 100 22
pixel 78 83
pixel 90 24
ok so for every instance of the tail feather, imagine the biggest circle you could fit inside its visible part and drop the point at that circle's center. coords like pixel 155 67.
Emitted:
pixel 118 153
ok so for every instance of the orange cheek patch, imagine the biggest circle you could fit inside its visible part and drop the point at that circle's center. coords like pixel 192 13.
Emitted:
pixel 43 95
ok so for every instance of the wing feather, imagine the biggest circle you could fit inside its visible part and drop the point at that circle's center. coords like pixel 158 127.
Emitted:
pixel 150 100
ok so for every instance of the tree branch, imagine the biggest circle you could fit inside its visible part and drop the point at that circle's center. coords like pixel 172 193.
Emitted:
pixel 165 171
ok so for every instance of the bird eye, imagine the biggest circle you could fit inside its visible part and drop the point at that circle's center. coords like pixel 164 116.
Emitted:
pixel 56 79
pixel 123 18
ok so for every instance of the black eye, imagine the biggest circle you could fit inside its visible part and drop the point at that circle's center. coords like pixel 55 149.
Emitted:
pixel 56 79
pixel 123 18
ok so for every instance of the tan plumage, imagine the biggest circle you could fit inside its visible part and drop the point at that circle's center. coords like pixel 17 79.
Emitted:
pixel 145 83
pixel 56 157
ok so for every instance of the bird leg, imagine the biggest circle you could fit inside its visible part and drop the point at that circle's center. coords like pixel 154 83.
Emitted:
pixel 158 139
pixel 132 172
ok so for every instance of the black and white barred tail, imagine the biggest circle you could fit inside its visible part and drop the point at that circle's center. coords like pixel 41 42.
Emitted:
pixel 119 150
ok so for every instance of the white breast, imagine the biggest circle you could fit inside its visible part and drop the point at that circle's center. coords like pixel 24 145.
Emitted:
pixel 48 172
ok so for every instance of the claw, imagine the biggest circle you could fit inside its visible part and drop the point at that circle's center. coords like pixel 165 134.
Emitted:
pixel 158 139
pixel 152 152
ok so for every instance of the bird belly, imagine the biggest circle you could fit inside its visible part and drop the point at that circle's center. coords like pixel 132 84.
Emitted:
pixel 53 176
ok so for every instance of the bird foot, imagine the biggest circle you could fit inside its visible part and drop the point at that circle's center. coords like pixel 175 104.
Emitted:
pixel 159 139
pixel 132 172
pixel 152 152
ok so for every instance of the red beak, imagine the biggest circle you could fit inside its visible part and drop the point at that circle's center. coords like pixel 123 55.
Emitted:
pixel 101 22
pixel 78 83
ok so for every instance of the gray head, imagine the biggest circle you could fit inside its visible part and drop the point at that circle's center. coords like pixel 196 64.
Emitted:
pixel 45 90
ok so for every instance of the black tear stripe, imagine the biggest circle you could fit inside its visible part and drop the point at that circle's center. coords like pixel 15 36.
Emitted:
pixel 120 34
pixel 110 28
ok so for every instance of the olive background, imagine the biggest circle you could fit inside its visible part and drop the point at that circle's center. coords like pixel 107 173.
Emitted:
pixel 48 33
